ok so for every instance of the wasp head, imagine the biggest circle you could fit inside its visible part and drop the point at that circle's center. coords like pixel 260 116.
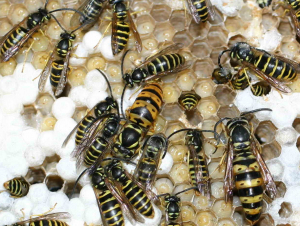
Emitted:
pixel 242 51
pixel 128 80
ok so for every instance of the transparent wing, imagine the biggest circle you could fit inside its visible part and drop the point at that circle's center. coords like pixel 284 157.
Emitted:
pixel 193 11
pixel 272 81
pixel 296 22
pixel 267 176
pixel 138 41
pixel 170 48
pixel 64 74
pixel 14 49
pixel 51 216
pixel 114 43
pixel 228 178
pixel 127 208
pixel 46 72
pixel 211 9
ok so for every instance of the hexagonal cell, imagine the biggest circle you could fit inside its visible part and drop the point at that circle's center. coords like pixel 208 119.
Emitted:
pixel 145 24
pixel 141 7
pixel 214 172
pixel 200 49
pixel 77 76
pixel 286 210
pixel 290 48
pixel 5 26
pixel 209 125
pixel 185 80
pixel 266 220
pixel 199 31
pixel 233 24
pixel 4 8
pixel 238 217
pixel 188 213
pixel 217 190
pixel 186 196
pixel 179 173
pixel 270 151
pixel 194 117
pixel 222 209
pixel 230 111
pixel 183 37
pixel 171 128
pixel 214 55
pixel 285 28
pixel 296 124
pixel 178 20
pixel 203 68
pixel 160 12
pixel 246 13
pixel 281 189
pixel 227 222
pixel 265 132
pixel 68 188
pixel 30 115
pixel 235 39
pixel 17 13
pixel 269 21
pixel 208 107
pixel 54 182
pixel 206 218
pixel 164 32
pixel 171 111
pixel 217 37
pixel 160 124
pixel 171 93
pixel 224 95
pixel 204 87
pixel 35 175
pixel 178 152
pixel 149 46
pixel 164 185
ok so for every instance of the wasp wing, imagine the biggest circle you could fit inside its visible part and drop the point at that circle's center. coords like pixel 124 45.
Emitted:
pixel 46 72
pixel 114 41
pixel 267 176
pixel 272 81
pixel 193 11
pixel 211 9
pixel 138 41
pixel 228 178
pixel 63 77
pixel 51 216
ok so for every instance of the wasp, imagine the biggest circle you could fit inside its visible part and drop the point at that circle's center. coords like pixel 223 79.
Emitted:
pixel 58 63
pixel 245 168
pixel 189 100
pixel 264 3
pixel 137 195
pixel 93 133
pixel 275 70
pixel 145 171
pixel 45 220
pixel 17 187
pixel 121 28
pixel 20 33
pixel 201 9
pixel 90 12
pixel 173 207
pixel 162 63
pixel 261 88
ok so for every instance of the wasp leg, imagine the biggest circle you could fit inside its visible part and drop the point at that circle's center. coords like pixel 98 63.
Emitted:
pixel 106 29
pixel 42 214
pixel 26 55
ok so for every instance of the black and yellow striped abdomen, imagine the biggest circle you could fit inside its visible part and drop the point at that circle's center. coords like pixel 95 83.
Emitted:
pixel 138 198
pixel 111 209
pixel 14 38
pixel 146 170
pixel 56 70
pixel 123 31
pixel 295 4
pixel 189 100
pixel 202 167
pixel 147 106
pixel 249 183
pixel 91 10
pixel 201 8
pixel 17 187
pixel 165 63
pixel 95 150
pixel 48 223
pixel 240 80
pixel 274 67
pixel 86 123
pixel 261 88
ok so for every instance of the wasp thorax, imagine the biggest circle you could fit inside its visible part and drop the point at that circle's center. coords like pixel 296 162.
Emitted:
pixel 98 180
pixel 138 75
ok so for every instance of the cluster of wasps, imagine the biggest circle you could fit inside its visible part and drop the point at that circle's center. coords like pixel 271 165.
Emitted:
pixel 107 131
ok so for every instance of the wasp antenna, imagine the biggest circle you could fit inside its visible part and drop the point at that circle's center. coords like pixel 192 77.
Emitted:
pixel 122 99
pixel 122 63
pixel 77 180
pixel 216 125
pixel 46 3
pixel 81 26
pixel 59 24
pixel 106 79
pixel 220 55
pixel 164 194
pixel 191 188
pixel 66 9
pixel 256 110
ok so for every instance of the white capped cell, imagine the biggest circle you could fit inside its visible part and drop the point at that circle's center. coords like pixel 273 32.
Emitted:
pixel 27 92
pixel 95 97
pixel 94 81
pixel 76 208
pixel 26 73
pixel 217 189
pixel 40 208
pixel 286 136
pixel 24 204
pixel 6 201
pixel 87 195
pixel 91 40
pixel 30 136
pixel 8 84
pixel 276 168
pixel 10 103
pixel 63 107
pixel 283 115
pixel 14 145
pixel 38 193
pixel 290 156
pixel 66 169
pixel 228 7
pixel 5 175
pixel 60 199
pixel 244 100
pixel 7 218
pixel 64 126
pixel 92 214
pixel 34 156
pixel 105 48
pixel 79 95
pixel 67 150
pixel 166 164
pixel 79 56
pixel 46 141
pixel 16 165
